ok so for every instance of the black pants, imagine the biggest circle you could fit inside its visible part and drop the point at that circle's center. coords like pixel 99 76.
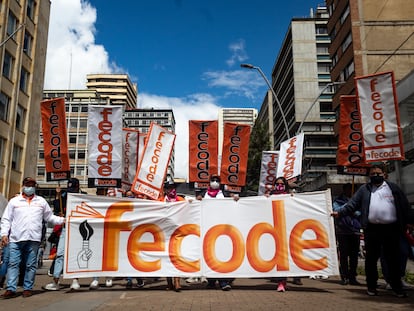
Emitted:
pixel 348 246
pixel 385 238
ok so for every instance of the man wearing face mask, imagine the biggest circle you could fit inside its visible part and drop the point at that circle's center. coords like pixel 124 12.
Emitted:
pixel 21 229
pixel 384 212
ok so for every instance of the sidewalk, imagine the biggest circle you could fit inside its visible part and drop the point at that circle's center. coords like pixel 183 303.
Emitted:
pixel 247 294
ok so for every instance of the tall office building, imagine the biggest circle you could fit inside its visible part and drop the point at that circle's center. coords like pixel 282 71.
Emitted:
pixel 302 83
pixel 23 41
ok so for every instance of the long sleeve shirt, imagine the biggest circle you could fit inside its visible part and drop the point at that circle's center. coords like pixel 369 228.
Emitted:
pixel 22 219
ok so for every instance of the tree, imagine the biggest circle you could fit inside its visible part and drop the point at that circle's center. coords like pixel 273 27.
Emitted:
pixel 259 141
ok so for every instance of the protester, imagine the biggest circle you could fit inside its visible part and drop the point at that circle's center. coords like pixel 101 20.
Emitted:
pixel 384 211
pixel 348 231
pixel 21 229
pixel 59 207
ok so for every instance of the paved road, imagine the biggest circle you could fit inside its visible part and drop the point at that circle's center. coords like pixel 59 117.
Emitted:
pixel 247 294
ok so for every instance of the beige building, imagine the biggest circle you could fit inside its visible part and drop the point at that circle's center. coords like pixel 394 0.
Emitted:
pixel 23 39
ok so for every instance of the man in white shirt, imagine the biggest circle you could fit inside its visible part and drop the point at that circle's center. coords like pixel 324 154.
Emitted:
pixel 21 229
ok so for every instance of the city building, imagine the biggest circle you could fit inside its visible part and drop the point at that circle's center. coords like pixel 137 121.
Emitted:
pixel 23 41
pixel 141 120
pixel 302 83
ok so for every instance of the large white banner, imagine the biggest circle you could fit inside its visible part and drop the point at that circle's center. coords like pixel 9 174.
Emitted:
pixel 290 157
pixel 253 237
pixel 378 106
pixel 268 170
pixel 153 165
pixel 105 146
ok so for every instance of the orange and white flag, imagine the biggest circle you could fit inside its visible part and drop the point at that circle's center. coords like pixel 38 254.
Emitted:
pixel 203 151
pixel 380 119
pixel 235 152
pixel 268 170
pixel 153 165
pixel 105 146
pixel 290 157
pixel 55 139
pixel 130 141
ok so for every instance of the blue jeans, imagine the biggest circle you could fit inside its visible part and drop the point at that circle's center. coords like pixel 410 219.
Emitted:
pixel 5 259
pixel 22 251
pixel 60 253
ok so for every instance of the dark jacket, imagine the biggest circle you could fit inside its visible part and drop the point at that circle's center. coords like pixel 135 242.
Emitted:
pixel 346 224
pixel 362 198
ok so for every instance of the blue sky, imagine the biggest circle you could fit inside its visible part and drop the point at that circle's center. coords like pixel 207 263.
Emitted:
pixel 183 54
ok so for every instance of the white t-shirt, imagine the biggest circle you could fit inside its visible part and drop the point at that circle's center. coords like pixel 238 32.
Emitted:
pixel 382 207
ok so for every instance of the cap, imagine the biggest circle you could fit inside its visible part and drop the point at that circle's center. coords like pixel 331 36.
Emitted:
pixel 215 177
pixel 73 185
pixel 29 181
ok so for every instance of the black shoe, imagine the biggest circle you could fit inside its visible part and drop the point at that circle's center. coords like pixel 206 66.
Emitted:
pixel 401 294
pixel 372 292
pixel 345 282
pixel 354 282
pixel 129 284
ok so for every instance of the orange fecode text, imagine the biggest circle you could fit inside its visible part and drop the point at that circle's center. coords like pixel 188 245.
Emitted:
pixel 105 147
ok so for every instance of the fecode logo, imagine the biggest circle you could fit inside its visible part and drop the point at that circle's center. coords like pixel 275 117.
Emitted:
pixel 127 148
pixel 234 157
pixel 104 160
pixel 203 155
pixel 155 158
pixel 243 247
pixel 271 170
pixel 289 164
pixel 377 115
pixel 355 147
pixel 55 152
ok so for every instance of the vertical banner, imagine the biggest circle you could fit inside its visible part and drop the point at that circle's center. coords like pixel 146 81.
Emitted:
pixel 203 151
pixel 154 163
pixel 105 146
pixel 290 157
pixel 268 169
pixel 130 144
pixel 350 153
pixel 55 139
pixel 380 119
pixel 235 152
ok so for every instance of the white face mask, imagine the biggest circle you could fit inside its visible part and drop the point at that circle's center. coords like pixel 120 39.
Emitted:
pixel 29 191
pixel 214 185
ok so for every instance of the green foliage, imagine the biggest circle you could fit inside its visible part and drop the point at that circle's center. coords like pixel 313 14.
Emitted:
pixel 259 141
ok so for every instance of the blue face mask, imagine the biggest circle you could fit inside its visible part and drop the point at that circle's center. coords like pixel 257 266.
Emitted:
pixel 29 191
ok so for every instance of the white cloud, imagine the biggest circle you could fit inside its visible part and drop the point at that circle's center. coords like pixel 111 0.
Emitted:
pixel 239 54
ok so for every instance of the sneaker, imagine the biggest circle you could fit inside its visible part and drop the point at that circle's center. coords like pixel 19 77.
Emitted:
pixel 405 285
pixel 226 287
pixel 191 280
pixel 372 292
pixel 388 286
pixel 128 284
pixel 140 283
pixel 204 280
pixel 108 282
pixel 354 282
pixel 297 282
pixel 27 293
pixel 75 285
pixel 281 287
pixel 9 294
pixel 94 284
pixel 52 286
pixel 401 294
pixel 344 282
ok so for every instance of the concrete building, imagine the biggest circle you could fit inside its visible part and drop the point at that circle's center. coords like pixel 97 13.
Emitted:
pixel 23 41
pixel 117 88
pixel 302 83
pixel 141 120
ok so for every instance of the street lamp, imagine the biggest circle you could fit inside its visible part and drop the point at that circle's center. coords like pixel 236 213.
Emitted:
pixel 314 102
pixel 249 66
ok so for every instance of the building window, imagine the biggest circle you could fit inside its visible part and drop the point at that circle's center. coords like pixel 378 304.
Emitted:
pixel 16 157
pixel 20 117
pixel 41 154
pixel 81 154
pixel 82 139
pixel 30 9
pixel 349 70
pixel 347 42
pixel 8 65
pixel 72 139
pixel 4 106
pixel 75 108
pixel 73 123
pixel 324 67
pixel 2 146
pixel 83 123
pixel 24 80
pixel 84 109
pixel 345 14
pixel 27 44
pixel 41 171
pixel 11 25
